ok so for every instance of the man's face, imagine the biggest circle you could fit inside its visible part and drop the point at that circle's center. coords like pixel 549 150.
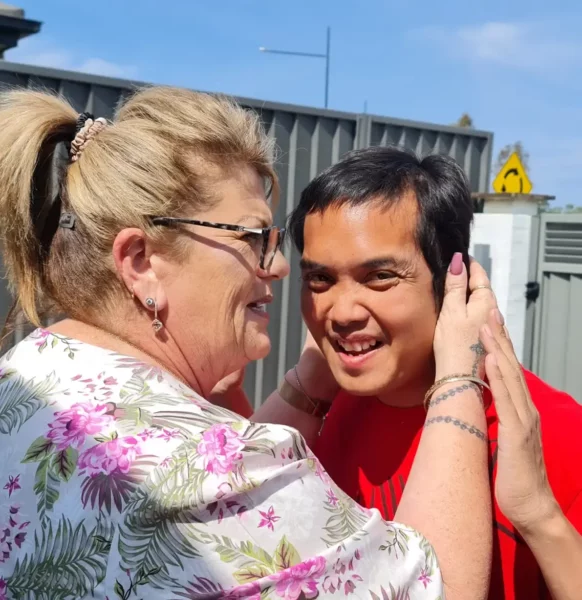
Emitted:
pixel 367 296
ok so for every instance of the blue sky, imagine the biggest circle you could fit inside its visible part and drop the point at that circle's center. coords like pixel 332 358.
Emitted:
pixel 516 67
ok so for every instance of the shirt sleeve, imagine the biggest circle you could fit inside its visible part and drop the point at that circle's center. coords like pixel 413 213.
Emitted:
pixel 245 510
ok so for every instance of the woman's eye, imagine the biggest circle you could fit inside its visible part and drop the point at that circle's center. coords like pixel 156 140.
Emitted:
pixel 251 238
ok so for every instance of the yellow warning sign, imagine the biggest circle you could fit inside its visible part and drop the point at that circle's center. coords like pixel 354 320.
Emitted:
pixel 512 179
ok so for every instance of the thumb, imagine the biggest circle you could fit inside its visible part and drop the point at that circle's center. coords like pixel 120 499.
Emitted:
pixel 456 284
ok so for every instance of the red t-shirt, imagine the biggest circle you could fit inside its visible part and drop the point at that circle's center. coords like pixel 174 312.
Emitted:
pixel 368 449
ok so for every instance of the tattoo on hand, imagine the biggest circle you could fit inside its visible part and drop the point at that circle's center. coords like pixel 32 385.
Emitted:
pixel 454 392
pixel 480 352
pixel 458 423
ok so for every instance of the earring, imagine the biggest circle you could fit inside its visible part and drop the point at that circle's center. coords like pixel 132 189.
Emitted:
pixel 156 323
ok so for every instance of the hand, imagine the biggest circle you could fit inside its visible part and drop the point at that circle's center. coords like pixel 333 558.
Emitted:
pixel 231 382
pixel 314 372
pixel 522 489
pixel 457 347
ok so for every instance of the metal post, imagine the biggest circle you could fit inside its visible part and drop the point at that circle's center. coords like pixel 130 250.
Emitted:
pixel 327 59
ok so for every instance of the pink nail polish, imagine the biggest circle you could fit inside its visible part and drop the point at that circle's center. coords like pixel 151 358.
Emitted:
pixel 456 267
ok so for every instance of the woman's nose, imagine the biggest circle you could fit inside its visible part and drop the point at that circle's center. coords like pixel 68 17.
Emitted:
pixel 279 268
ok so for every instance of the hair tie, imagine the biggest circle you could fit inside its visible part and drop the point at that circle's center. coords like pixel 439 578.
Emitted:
pixel 86 129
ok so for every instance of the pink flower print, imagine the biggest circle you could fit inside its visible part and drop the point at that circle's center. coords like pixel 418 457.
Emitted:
pixel 41 335
pixel 301 578
pixel 169 434
pixel 424 578
pixel 3 587
pixel 221 446
pixel 13 484
pixel 349 587
pixel 71 426
pixel 332 498
pixel 166 462
pixel 331 584
pixel 110 381
pixel 269 519
pixel 147 434
pixel 5 550
pixel 249 591
pixel 108 457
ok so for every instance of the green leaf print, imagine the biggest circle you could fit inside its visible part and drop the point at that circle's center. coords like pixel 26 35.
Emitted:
pixel 64 463
pixel 22 399
pixel 137 392
pixel 46 487
pixel 251 573
pixel 285 555
pixel 39 449
pixel 155 537
pixel 346 521
pixel 68 563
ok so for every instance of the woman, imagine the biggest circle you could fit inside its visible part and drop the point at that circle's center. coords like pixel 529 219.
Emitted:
pixel 155 238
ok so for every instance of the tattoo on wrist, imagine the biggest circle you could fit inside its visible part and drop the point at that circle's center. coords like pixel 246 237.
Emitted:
pixel 480 352
pixel 454 392
pixel 457 423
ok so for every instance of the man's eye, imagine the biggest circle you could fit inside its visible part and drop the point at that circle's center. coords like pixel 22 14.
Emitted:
pixel 382 279
pixel 317 281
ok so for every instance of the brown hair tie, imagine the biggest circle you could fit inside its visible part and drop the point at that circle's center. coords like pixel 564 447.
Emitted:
pixel 87 128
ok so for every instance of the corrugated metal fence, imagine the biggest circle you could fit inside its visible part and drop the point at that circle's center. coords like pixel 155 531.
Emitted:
pixel 557 344
pixel 309 140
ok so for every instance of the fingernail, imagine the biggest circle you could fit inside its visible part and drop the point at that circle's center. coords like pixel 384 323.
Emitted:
pixel 456 267
pixel 487 330
pixel 499 317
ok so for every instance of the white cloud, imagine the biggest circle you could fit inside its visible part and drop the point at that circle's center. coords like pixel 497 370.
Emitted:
pixel 526 46
pixel 33 51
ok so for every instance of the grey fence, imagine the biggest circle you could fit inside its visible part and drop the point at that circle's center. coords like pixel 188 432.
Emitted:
pixel 309 140
pixel 557 343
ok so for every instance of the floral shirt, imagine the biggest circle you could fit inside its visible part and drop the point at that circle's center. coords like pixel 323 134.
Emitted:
pixel 117 481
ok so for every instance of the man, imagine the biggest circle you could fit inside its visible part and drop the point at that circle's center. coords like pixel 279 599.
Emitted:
pixel 376 233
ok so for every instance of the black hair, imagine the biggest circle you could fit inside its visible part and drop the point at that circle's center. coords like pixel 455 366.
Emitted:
pixel 384 175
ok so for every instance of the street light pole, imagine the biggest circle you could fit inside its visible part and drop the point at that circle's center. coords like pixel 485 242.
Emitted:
pixel 326 56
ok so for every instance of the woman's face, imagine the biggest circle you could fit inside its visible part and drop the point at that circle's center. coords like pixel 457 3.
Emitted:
pixel 217 298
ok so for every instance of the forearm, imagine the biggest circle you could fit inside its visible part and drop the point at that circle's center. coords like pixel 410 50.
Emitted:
pixel 557 548
pixel 447 496
pixel 276 410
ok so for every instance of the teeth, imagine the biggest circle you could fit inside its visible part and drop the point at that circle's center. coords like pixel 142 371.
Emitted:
pixel 356 346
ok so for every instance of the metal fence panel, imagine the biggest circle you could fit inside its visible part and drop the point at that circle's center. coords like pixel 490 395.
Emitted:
pixel 308 141
pixel 470 148
pixel 557 337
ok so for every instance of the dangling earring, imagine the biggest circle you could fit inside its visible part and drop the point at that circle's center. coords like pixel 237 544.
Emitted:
pixel 156 323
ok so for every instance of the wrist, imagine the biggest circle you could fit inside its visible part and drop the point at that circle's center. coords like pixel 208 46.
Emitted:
pixel 320 388
pixel 291 391
pixel 545 523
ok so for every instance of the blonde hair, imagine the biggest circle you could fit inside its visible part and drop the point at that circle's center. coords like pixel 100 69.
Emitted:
pixel 153 159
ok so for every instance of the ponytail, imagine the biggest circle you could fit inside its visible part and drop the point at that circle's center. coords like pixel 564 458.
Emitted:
pixel 32 125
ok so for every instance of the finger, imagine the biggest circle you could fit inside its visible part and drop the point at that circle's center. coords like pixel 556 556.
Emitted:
pixel 504 406
pixel 511 376
pixel 480 286
pixel 496 324
pixel 478 277
pixel 456 285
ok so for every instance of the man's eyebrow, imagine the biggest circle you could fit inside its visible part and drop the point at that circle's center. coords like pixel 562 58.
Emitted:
pixel 310 265
pixel 381 262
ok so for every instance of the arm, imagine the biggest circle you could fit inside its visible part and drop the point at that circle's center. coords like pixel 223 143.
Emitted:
pixel 310 378
pixel 522 489
pixel 557 547
pixel 447 495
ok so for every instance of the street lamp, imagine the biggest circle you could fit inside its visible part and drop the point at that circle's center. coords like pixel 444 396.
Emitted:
pixel 326 56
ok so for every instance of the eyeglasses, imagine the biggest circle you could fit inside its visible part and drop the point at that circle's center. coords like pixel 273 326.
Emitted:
pixel 273 237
